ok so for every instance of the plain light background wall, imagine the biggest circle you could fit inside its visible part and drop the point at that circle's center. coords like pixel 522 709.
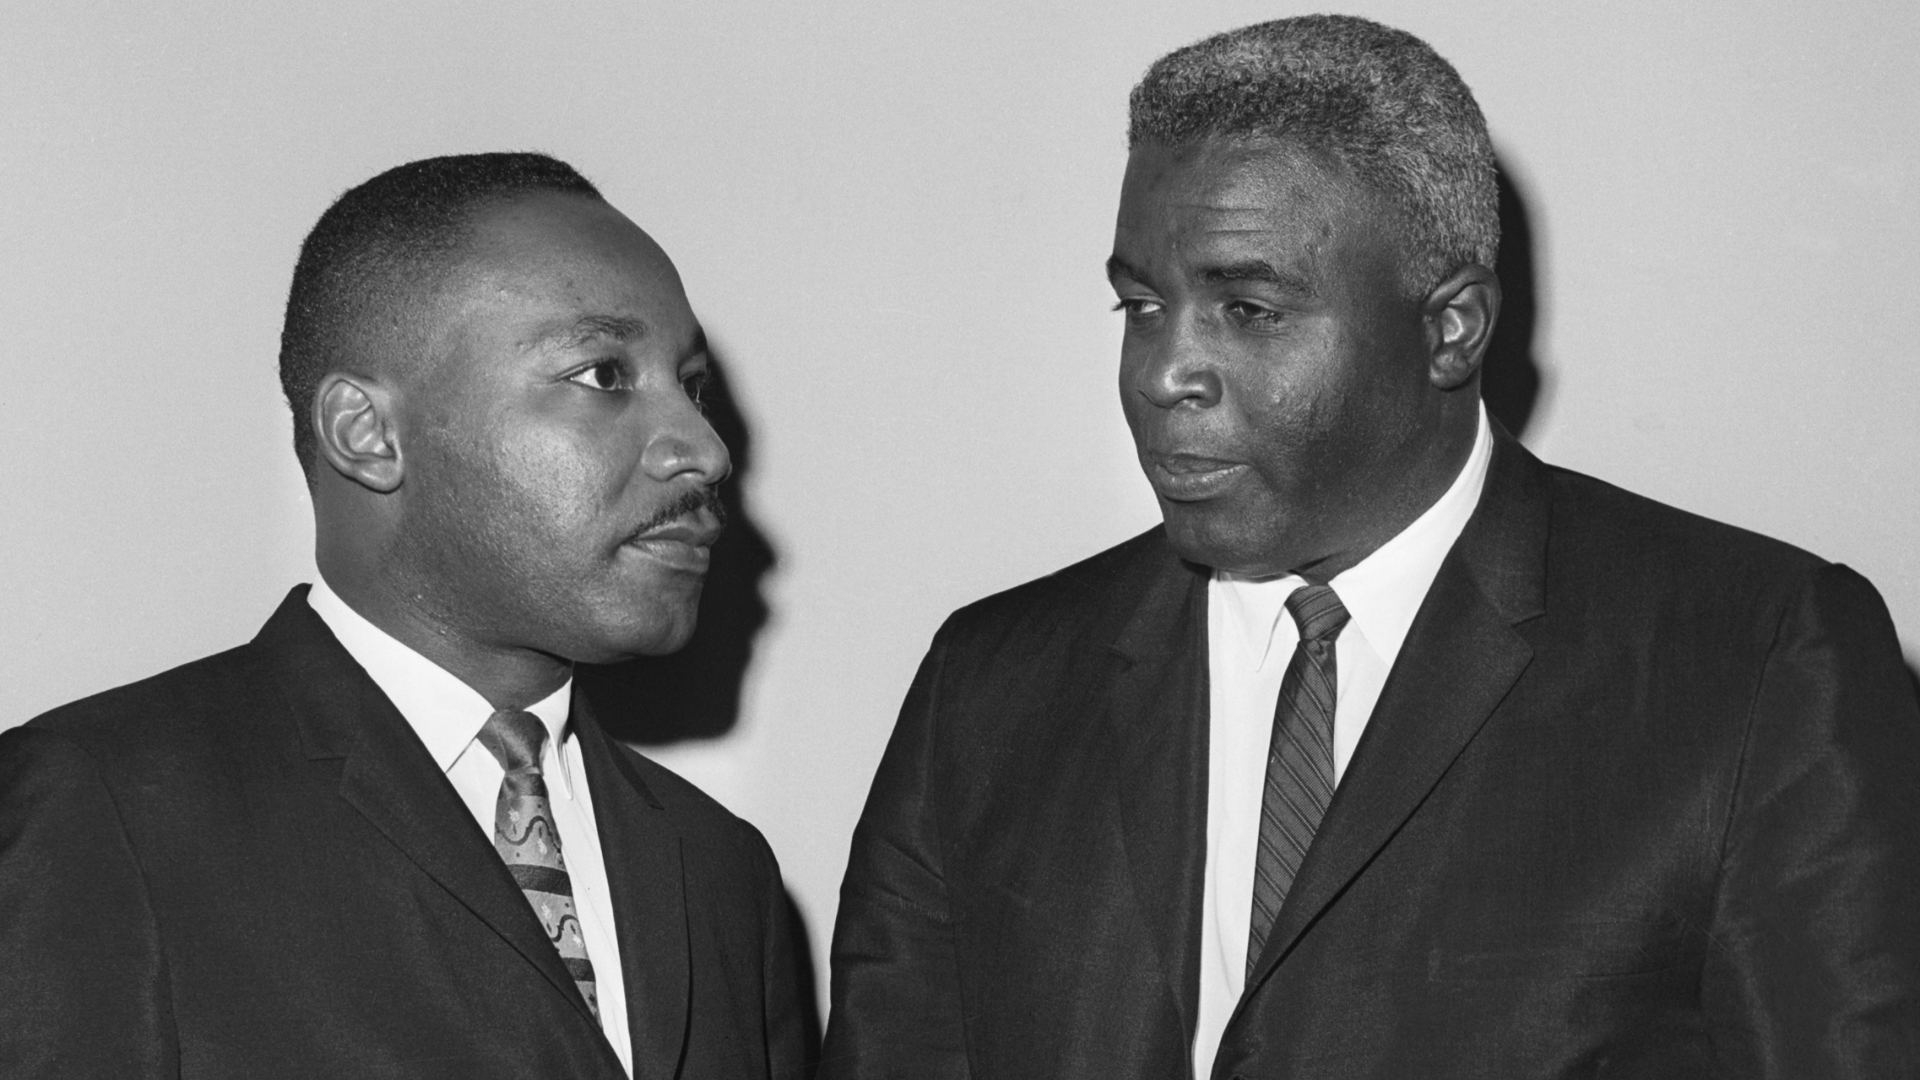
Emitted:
pixel 892 220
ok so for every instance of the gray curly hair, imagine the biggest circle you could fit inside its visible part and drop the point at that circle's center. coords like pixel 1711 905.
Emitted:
pixel 1379 101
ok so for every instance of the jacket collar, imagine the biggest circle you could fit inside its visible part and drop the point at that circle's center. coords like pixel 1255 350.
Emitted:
pixel 650 916
pixel 1152 707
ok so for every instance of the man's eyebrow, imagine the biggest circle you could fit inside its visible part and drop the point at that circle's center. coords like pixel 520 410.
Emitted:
pixel 589 328
pixel 1118 267
pixel 1258 270
pixel 698 348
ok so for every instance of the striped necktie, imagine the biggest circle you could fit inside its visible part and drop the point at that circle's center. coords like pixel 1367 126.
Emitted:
pixel 524 834
pixel 1300 760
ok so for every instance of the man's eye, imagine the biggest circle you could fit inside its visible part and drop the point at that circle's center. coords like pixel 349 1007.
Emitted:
pixel 1137 308
pixel 695 384
pixel 605 375
pixel 1255 315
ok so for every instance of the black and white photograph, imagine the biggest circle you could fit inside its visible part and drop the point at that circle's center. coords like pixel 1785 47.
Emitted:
pixel 980 541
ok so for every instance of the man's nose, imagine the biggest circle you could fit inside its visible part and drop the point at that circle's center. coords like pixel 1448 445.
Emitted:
pixel 1177 368
pixel 682 443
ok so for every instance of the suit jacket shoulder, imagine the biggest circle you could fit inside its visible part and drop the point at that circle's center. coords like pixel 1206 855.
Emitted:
pixel 1098 585
pixel 1624 572
pixel 1043 637
pixel 164 720
pixel 1616 530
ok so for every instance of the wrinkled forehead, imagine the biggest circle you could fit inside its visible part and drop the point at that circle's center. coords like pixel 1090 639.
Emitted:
pixel 1227 200
pixel 1227 179
pixel 1202 206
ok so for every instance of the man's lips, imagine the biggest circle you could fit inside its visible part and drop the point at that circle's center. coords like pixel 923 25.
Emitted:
pixel 682 544
pixel 1184 477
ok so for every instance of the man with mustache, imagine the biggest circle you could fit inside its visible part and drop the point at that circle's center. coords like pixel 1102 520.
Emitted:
pixel 1394 752
pixel 385 837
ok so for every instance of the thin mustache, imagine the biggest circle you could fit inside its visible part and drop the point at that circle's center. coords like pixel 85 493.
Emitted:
pixel 692 502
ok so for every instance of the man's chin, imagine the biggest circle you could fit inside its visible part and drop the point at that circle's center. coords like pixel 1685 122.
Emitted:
pixel 656 630
pixel 1209 540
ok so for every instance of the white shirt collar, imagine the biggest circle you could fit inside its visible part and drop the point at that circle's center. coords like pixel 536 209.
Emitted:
pixel 444 712
pixel 1381 592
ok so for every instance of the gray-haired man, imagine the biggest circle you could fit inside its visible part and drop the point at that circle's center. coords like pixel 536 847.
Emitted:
pixel 1394 752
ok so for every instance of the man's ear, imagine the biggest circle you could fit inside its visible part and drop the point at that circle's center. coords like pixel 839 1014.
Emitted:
pixel 1460 313
pixel 354 427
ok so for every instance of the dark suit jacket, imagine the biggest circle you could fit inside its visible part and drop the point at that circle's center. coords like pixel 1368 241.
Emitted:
pixel 250 867
pixel 1637 800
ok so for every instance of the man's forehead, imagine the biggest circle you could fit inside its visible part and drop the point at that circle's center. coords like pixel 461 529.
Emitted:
pixel 563 328
pixel 1232 184
pixel 576 266
pixel 568 331
pixel 570 300
pixel 590 328
pixel 1218 205
pixel 1217 241
pixel 543 235
pixel 543 308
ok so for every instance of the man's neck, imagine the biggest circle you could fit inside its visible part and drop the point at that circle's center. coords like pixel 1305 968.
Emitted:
pixel 509 678
pixel 1423 488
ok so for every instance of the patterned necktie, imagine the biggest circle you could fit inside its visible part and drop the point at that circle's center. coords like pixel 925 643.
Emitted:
pixel 1300 761
pixel 524 834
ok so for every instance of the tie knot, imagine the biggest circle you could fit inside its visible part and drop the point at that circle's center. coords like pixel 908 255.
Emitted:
pixel 514 737
pixel 1318 612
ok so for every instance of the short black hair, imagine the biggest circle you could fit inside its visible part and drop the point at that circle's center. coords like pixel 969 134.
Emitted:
pixel 362 269
pixel 1379 101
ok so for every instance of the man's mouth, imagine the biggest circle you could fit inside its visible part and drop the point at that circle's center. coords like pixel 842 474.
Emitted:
pixel 681 535
pixel 1185 477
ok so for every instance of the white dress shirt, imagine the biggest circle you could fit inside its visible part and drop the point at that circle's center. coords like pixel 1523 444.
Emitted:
pixel 447 715
pixel 1250 641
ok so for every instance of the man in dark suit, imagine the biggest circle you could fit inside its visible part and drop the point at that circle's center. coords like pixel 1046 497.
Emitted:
pixel 1394 752
pixel 384 838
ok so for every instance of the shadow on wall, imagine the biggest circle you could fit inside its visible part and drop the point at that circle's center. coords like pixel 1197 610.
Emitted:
pixel 695 693
pixel 1510 377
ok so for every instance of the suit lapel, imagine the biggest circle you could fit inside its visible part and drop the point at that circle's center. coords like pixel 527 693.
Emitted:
pixel 641 850
pixel 1156 713
pixel 1461 657
pixel 393 782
